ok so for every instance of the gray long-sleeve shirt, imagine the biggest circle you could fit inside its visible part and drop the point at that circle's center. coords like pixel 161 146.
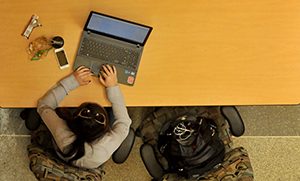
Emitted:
pixel 102 148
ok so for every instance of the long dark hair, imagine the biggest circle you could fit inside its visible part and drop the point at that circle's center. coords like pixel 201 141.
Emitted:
pixel 85 129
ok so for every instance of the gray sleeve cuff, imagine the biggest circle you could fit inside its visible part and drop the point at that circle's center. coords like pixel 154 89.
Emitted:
pixel 69 83
pixel 114 94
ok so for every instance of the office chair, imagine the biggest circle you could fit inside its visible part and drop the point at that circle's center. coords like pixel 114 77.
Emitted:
pixel 46 165
pixel 236 164
pixel 54 168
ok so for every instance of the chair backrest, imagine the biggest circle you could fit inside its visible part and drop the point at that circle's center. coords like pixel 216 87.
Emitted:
pixel 234 119
pixel 122 153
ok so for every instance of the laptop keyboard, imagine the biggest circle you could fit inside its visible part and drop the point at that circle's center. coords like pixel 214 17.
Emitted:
pixel 110 53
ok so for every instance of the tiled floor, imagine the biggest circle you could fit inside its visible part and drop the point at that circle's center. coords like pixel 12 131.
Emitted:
pixel 272 139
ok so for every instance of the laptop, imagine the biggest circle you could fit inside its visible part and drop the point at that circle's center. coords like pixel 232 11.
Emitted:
pixel 114 41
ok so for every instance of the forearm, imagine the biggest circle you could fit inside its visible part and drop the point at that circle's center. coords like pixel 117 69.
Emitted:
pixel 55 95
pixel 115 96
pixel 121 125
pixel 46 105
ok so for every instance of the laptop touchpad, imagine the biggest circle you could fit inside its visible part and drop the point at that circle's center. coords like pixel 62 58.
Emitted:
pixel 95 68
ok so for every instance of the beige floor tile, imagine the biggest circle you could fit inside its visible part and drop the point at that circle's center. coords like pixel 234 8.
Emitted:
pixel 14 163
pixel 273 158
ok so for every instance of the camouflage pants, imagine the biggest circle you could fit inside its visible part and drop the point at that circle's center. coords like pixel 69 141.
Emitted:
pixel 46 166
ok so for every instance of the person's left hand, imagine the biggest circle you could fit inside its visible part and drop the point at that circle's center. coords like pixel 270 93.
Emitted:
pixel 83 75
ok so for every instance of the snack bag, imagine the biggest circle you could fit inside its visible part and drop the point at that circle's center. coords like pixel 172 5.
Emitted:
pixel 38 48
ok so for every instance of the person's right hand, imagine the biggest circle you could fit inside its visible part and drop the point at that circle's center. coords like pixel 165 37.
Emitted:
pixel 83 75
pixel 108 76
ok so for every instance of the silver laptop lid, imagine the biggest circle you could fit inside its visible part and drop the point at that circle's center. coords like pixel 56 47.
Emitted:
pixel 117 28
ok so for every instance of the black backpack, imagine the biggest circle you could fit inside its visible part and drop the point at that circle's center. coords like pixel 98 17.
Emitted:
pixel 191 145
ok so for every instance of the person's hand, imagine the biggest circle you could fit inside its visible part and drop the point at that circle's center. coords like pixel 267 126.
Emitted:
pixel 108 76
pixel 83 75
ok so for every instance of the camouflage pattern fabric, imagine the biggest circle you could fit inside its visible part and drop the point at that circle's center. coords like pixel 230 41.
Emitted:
pixel 46 166
pixel 236 165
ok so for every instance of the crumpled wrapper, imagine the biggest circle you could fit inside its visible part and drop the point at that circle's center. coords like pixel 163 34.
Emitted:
pixel 38 48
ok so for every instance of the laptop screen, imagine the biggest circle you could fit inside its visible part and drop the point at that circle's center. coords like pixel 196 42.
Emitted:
pixel 118 28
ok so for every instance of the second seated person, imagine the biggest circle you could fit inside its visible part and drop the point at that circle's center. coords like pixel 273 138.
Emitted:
pixel 86 139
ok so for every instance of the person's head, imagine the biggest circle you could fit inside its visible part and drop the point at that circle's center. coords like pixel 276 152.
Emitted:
pixel 90 121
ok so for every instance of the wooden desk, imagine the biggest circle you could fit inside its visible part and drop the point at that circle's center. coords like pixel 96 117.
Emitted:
pixel 199 53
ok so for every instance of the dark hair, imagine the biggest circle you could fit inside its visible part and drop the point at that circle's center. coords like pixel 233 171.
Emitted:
pixel 85 129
